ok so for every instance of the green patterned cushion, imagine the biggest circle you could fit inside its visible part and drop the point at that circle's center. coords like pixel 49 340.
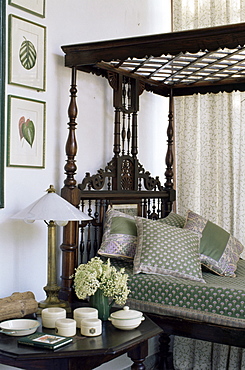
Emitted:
pixel 167 250
pixel 219 251
pixel 173 219
pixel 120 236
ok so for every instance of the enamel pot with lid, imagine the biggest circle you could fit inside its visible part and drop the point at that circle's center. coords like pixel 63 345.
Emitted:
pixel 126 319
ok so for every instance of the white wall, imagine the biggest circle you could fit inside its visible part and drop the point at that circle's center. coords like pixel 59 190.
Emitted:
pixel 23 247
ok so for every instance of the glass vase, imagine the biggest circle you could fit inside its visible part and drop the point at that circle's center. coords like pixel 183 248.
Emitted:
pixel 99 301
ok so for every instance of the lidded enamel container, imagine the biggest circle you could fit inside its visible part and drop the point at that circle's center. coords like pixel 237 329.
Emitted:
pixel 84 313
pixel 51 314
pixel 126 319
pixel 91 327
pixel 65 327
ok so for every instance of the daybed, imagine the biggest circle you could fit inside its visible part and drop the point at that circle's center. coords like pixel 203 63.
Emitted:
pixel 172 64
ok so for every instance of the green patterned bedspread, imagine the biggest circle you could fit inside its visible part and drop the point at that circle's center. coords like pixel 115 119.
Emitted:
pixel 221 300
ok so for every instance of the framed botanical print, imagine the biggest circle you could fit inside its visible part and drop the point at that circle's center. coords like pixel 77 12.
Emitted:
pixel 27 53
pixel 35 7
pixel 26 132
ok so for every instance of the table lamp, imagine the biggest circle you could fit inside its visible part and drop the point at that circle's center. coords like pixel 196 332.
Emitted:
pixel 53 210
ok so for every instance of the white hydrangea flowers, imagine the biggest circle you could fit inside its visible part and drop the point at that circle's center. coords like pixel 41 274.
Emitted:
pixel 98 274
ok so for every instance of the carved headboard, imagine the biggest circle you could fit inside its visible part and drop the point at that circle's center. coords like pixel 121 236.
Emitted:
pixel 124 180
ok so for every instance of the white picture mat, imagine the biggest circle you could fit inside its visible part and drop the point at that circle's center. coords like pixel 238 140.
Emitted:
pixel 33 6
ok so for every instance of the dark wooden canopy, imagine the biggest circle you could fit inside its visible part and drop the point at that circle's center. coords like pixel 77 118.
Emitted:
pixel 188 62
pixel 169 64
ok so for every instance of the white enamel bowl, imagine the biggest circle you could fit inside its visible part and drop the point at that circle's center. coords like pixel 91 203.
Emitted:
pixel 126 319
pixel 19 327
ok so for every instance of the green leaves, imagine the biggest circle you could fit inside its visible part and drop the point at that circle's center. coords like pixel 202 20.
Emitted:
pixel 27 54
pixel 27 130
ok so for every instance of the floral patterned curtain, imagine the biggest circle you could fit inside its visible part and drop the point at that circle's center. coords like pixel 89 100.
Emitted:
pixel 210 163
pixel 210 132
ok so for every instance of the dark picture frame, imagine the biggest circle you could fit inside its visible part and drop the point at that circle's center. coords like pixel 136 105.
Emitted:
pixel 2 95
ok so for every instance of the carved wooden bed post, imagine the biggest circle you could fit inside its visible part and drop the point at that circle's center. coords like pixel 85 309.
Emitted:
pixel 169 156
pixel 72 194
pixel 164 339
pixel 169 160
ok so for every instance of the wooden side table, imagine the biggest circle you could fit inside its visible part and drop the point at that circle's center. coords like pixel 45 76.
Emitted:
pixel 84 352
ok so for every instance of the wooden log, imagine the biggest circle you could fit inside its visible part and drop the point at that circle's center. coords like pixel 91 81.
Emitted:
pixel 17 305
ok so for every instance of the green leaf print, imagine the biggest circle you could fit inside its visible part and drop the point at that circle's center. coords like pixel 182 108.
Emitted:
pixel 28 54
pixel 27 130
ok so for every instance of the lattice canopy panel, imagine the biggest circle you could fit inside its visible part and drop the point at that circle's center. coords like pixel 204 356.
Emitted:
pixel 188 68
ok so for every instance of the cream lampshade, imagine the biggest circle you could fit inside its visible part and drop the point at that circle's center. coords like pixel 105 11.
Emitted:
pixel 53 210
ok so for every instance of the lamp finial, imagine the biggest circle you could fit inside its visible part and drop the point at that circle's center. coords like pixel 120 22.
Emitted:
pixel 51 189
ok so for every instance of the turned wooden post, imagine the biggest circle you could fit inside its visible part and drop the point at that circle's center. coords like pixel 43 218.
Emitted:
pixel 71 193
pixel 138 355
pixel 165 360
pixel 169 156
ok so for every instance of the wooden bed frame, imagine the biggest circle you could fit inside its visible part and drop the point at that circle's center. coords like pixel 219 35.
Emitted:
pixel 172 64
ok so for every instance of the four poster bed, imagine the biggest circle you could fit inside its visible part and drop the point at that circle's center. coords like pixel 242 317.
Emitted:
pixel 193 303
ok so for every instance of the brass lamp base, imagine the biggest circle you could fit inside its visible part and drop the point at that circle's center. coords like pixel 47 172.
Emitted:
pixel 52 289
pixel 52 300
pixel 58 303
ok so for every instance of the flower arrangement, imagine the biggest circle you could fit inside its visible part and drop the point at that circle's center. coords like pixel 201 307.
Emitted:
pixel 97 274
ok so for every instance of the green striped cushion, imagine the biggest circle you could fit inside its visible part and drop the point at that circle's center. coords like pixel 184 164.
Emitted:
pixel 219 251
